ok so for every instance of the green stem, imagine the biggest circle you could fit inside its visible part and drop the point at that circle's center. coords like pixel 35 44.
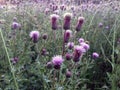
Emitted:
pixel 13 74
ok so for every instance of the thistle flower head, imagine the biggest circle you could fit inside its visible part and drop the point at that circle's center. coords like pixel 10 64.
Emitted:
pixel 45 36
pixel 78 53
pixel 67 16
pixel 81 40
pixel 15 25
pixel 85 46
pixel 80 49
pixel 34 35
pixel 57 61
pixel 49 65
pixel 14 60
pixel 70 45
pixel 68 56
pixel 67 35
pixel 81 20
pixel 100 24
pixel 79 23
pixel 54 19
pixel 67 19
pixel 68 74
pixel 95 55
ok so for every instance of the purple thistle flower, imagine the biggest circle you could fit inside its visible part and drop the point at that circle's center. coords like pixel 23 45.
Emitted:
pixel 95 55
pixel 57 61
pixel 68 56
pixel 34 35
pixel 15 25
pixel 67 35
pixel 68 74
pixel 62 7
pixel 70 45
pixel 85 46
pixel 79 23
pixel 107 27
pixel 14 19
pixel 54 19
pixel 47 10
pixel 14 60
pixel 45 36
pixel 49 65
pixel 100 25
pixel 78 53
pixel 81 40
pixel 44 52
pixel 67 19
pixel 54 7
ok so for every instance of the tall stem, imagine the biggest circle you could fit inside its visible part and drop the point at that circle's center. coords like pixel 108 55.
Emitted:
pixel 11 67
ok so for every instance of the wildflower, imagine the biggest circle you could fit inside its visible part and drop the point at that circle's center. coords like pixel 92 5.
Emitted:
pixel 14 60
pixel 78 53
pixel 47 10
pixel 85 46
pixel 68 56
pixel 45 36
pixel 67 19
pixel 34 35
pixel 62 7
pixel 81 40
pixel 49 65
pixel 100 25
pixel 14 19
pixel 68 74
pixel 15 25
pixel 70 45
pixel 57 61
pixel 54 7
pixel 54 19
pixel 44 52
pixel 67 35
pixel 95 55
pixel 79 23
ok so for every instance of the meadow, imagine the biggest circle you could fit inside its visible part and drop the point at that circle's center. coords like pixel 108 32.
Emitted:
pixel 56 46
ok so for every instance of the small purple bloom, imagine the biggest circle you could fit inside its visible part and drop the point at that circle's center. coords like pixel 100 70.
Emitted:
pixel 34 35
pixel 44 52
pixel 49 65
pixel 68 74
pixel 68 56
pixel 81 40
pixel 95 55
pixel 62 7
pixel 47 10
pixel 14 60
pixel 57 61
pixel 67 35
pixel 78 53
pixel 107 27
pixel 14 19
pixel 85 46
pixel 15 25
pixel 45 36
pixel 70 45
pixel 100 25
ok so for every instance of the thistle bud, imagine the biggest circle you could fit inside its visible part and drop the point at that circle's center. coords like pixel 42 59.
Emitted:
pixel 79 23
pixel 67 19
pixel 54 19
